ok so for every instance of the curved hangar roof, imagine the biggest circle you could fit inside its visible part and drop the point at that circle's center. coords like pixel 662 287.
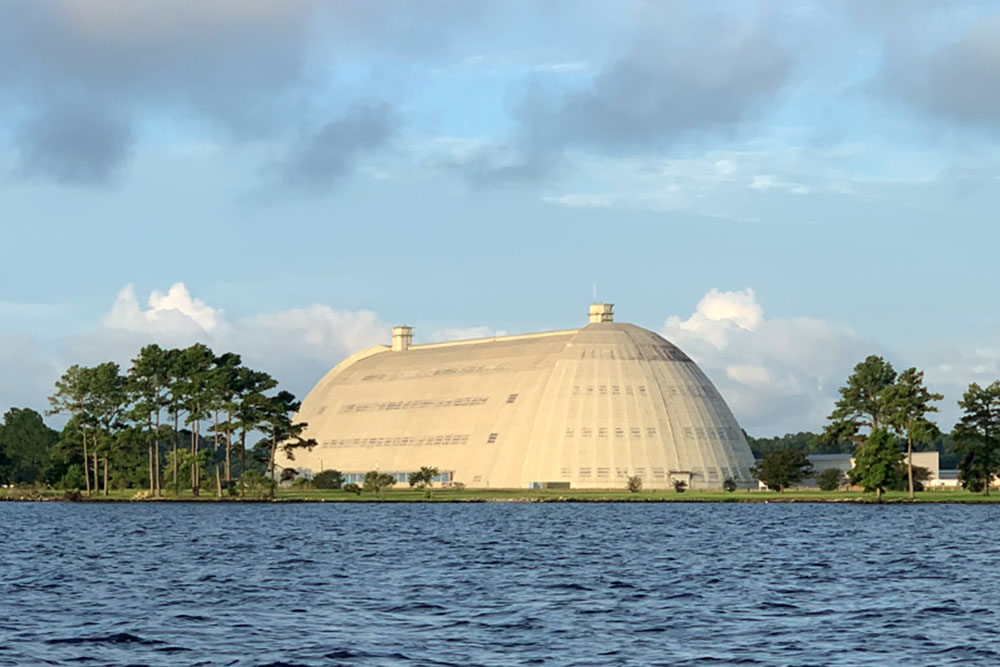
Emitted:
pixel 589 407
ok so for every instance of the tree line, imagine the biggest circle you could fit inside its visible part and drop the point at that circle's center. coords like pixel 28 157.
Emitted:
pixel 180 416
pixel 128 424
pixel 882 417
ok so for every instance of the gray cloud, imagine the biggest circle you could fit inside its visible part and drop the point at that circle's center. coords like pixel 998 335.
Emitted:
pixel 683 75
pixel 318 160
pixel 72 144
pixel 956 81
pixel 252 69
pixel 235 65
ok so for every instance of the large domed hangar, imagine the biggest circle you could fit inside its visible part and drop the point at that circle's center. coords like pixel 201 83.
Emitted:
pixel 583 408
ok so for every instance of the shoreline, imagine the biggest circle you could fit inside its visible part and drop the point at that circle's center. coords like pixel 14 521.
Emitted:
pixel 518 496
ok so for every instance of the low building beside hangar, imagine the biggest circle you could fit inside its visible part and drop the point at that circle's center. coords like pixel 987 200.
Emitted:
pixel 583 408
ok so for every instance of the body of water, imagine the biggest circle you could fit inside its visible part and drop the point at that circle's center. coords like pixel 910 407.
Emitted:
pixel 498 584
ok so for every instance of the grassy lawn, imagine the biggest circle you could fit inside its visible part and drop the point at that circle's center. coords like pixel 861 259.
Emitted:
pixel 531 495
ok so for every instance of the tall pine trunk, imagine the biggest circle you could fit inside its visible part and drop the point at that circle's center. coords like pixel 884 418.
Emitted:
pixel 97 472
pixel 243 459
pixel 86 466
pixel 195 468
pixel 909 463
pixel 152 472
pixel 156 459
pixel 177 417
pixel 229 448
pixel 105 475
pixel 215 450
pixel 274 449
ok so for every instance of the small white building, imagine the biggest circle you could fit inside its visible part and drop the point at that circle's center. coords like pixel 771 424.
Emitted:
pixel 939 479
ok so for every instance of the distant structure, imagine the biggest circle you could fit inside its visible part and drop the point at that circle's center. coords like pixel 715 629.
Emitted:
pixel 582 408
pixel 938 478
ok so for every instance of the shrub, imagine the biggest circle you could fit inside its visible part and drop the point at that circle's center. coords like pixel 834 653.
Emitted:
pixel 329 479
pixel 680 486
pixel 376 481
pixel 729 485
pixel 423 477
pixel 288 474
pixel 73 479
pixel 257 485
pixel 353 488
pixel 830 479
pixel 920 475
pixel 635 484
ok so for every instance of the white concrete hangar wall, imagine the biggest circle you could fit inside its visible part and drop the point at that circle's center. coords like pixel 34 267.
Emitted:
pixel 589 407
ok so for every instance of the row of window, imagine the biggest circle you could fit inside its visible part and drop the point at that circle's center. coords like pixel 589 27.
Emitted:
pixel 400 477
pixel 656 474
pixel 604 432
pixel 464 401
pixel 399 441
pixel 692 390
pixel 690 432
pixel 645 353
pixel 451 370
pixel 614 390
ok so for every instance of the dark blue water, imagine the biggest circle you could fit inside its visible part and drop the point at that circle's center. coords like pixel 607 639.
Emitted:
pixel 498 584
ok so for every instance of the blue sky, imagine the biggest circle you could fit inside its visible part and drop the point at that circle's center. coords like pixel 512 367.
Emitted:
pixel 781 188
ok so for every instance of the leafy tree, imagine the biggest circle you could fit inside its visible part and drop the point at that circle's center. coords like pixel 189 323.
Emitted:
pixel 71 398
pixel 635 483
pixel 282 432
pixel 116 419
pixel 328 479
pixel 353 488
pixel 196 365
pixel 147 383
pixel 876 465
pixel 830 479
pixel 26 445
pixel 224 392
pixel 863 402
pixel 977 436
pixel 908 402
pixel 107 404
pixel 174 402
pixel 781 469
pixel 251 403
pixel 376 481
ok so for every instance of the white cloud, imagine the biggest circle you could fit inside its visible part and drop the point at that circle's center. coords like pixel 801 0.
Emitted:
pixel 718 313
pixel 175 311
pixel 297 346
pixel 778 374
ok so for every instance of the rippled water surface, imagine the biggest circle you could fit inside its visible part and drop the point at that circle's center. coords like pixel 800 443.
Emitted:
pixel 437 584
